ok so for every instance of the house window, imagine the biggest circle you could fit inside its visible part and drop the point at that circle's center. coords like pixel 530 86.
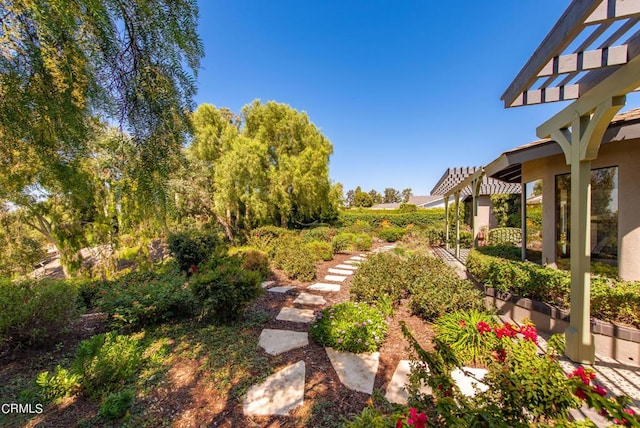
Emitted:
pixel 604 215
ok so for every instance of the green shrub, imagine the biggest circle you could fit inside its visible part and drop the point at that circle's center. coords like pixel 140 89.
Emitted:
pixel 106 361
pixel 294 258
pixel 505 236
pixel 61 383
pixel 193 247
pixel 363 242
pixel 508 252
pixel 265 238
pixel 129 253
pixel 381 276
pixel 224 289
pixel 36 312
pixel 466 239
pixel 459 330
pixel 342 242
pixel 615 301
pixel 252 260
pixel 145 298
pixel 391 234
pixel 359 226
pixel 349 326
pixel 428 218
pixel 321 250
pixel 322 233
pixel 117 404
pixel 441 291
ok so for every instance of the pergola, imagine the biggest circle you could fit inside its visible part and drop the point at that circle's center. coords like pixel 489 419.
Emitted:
pixel 468 181
pixel 590 56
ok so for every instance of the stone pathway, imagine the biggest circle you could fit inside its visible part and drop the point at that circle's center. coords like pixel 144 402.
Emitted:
pixel 284 390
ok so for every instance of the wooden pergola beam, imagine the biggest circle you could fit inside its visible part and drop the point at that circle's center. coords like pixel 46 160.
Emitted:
pixel 566 29
pixel 610 10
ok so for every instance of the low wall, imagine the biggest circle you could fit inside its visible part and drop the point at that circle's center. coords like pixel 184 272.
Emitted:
pixel 611 340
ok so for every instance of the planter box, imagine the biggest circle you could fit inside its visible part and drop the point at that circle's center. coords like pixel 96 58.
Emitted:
pixel 615 341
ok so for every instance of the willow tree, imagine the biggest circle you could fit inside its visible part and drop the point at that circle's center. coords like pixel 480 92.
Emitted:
pixel 270 165
pixel 65 63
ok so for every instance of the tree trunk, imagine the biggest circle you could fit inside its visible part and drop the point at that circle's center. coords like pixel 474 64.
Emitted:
pixel 226 227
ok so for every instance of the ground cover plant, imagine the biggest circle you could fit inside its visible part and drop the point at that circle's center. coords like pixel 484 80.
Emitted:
pixel 425 217
pixel 349 326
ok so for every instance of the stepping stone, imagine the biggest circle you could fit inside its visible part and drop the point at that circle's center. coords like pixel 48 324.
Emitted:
pixel 396 392
pixel 278 394
pixel 266 284
pixel 363 255
pixel 352 262
pixel 310 299
pixel 358 258
pixel 282 289
pixel 356 371
pixel 352 267
pixel 467 383
pixel 341 271
pixel 275 342
pixel 323 286
pixel 336 278
pixel 295 315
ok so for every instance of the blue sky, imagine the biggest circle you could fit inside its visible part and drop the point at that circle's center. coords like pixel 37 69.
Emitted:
pixel 403 89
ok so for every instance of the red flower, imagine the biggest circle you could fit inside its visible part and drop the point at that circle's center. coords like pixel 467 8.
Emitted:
pixel 462 323
pixel 399 423
pixel 629 412
pixel 579 392
pixel 583 374
pixel 529 332
pixel 483 327
pixel 499 355
pixel 418 420
pixel 600 390
pixel 193 268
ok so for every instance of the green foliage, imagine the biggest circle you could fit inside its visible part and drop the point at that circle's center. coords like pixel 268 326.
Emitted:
pixel 466 239
pixel 193 247
pixel 430 217
pixel 506 209
pixel 266 238
pixel 106 361
pixel 362 242
pixel 524 387
pixel 145 298
pixel 371 417
pixel 348 326
pixel 358 226
pixel 256 261
pixel 503 251
pixel 20 249
pixel 321 233
pixel 61 383
pixel 383 276
pixel 342 242
pixel 439 291
pixel 224 289
pixel 116 405
pixel 36 312
pixel 407 208
pixel 458 330
pixel 294 258
pixel 321 250
pixel 391 234
pixel 505 236
pixel 611 300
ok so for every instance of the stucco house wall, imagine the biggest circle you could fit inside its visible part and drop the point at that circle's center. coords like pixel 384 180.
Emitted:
pixel 626 156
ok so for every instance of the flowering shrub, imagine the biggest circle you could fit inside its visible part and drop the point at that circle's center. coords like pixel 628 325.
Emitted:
pixel 465 332
pixel 352 327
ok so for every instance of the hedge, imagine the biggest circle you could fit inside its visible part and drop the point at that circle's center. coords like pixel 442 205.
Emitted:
pixel 433 217
pixel 611 300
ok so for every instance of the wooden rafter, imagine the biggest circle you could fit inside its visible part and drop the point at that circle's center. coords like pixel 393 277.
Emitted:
pixel 583 18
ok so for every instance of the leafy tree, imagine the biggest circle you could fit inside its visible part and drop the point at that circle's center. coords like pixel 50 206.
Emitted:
pixel 20 248
pixel 349 198
pixel 267 166
pixel 376 197
pixel 406 194
pixel 391 195
pixel 65 62
pixel 506 209
pixel 361 199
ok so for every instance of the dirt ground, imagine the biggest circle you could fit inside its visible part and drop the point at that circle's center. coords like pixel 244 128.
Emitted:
pixel 187 397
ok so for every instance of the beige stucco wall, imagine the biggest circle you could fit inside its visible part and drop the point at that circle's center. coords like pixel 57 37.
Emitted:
pixel 626 156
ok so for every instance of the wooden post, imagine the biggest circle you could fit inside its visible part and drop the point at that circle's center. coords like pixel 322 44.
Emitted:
pixel 523 218
pixel 457 205
pixel 446 222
